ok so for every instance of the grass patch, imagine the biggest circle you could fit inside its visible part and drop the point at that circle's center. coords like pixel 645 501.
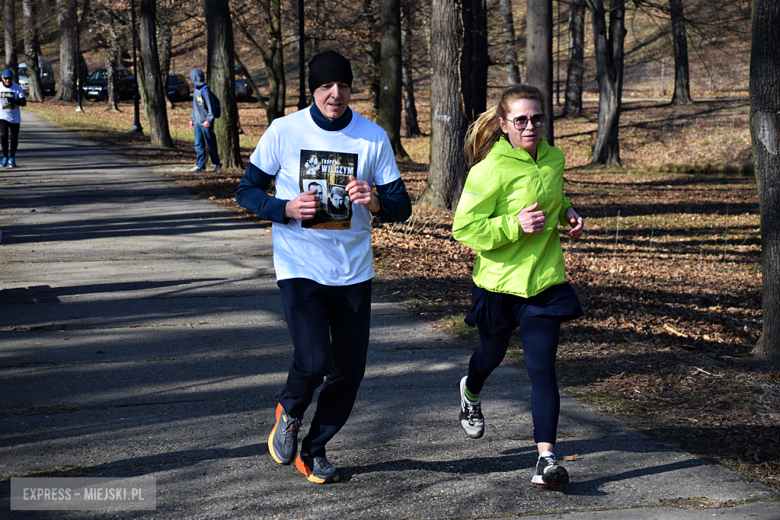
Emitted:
pixel 455 326
pixel 607 403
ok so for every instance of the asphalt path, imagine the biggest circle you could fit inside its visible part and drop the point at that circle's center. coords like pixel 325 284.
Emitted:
pixel 142 335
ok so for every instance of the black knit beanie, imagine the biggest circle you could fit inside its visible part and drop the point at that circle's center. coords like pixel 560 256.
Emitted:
pixel 329 67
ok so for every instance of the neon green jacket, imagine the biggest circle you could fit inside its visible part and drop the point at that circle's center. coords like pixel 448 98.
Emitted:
pixel 497 189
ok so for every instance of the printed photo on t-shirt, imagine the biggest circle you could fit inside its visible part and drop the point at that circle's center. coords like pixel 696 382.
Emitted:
pixel 320 186
pixel 7 100
pixel 328 173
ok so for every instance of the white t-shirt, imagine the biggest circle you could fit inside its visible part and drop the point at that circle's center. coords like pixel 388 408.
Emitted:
pixel 334 248
pixel 8 109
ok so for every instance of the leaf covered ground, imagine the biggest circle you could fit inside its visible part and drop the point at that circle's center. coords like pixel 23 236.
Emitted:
pixel 668 270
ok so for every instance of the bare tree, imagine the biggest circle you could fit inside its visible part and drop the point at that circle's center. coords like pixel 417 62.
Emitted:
pixel 112 60
pixel 139 74
pixel 407 79
pixel 373 48
pixel 272 54
pixel 510 44
pixel 164 47
pixel 682 87
pixel 572 106
pixel 713 24
pixel 32 50
pixel 609 44
pixel 170 14
pixel 9 20
pixel 151 77
pixel 353 29
pixel 389 113
pixel 765 133
pixel 68 59
pixel 222 80
pixel 475 59
pixel 540 58
pixel 448 168
pixel 108 25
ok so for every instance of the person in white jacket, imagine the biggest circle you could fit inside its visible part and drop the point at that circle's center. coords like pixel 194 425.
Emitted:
pixel 11 98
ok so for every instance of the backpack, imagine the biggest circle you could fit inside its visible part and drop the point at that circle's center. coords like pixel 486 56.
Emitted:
pixel 216 109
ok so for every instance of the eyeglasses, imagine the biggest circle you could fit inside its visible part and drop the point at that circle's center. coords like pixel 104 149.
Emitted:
pixel 520 122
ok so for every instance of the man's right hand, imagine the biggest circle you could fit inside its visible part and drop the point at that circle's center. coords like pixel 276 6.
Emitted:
pixel 192 125
pixel 303 207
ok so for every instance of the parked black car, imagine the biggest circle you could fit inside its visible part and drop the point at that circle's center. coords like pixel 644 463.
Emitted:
pixel 178 88
pixel 96 86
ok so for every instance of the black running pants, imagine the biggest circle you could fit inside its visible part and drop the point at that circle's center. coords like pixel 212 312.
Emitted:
pixel 329 327
pixel 7 128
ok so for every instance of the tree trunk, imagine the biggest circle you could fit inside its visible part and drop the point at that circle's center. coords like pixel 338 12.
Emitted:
pixel 85 14
pixel 682 87
pixel 9 20
pixel 222 80
pixel 609 63
pixel 475 59
pixel 765 133
pixel 313 13
pixel 407 79
pixel 448 168
pixel 481 58
pixel 165 44
pixel 273 59
pixel 389 113
pixel 111 66
pixel 374 54
pixel 32 50
pixel 141 87
pixel 277 39
pixel 572 106
pixel 67 24
pixel 540 57
pixel 152 80
pixel 508 39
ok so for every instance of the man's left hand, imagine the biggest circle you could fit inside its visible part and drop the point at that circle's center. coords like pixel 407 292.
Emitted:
pixel 206 124
pixel 360 193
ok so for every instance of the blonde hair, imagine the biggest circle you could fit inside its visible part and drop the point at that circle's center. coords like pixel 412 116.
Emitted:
pixel 483 133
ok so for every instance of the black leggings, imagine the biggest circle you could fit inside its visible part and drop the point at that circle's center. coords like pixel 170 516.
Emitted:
pixel 540 344
pixel 14 128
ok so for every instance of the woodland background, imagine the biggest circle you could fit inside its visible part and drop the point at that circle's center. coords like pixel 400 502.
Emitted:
pixel 669 270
